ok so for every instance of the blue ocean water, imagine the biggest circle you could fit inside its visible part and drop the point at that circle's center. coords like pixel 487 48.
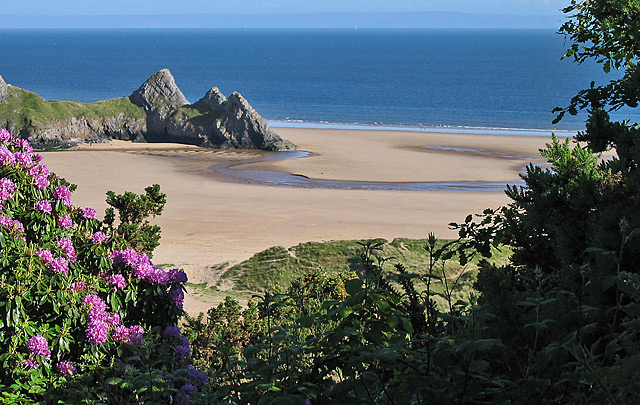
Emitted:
pixel 445 79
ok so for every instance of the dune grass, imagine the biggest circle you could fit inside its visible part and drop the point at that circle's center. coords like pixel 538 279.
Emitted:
pixel 278 266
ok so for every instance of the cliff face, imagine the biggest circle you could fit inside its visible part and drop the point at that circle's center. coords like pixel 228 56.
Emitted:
pixel 71 131
pixel 156 112
pixel 3 90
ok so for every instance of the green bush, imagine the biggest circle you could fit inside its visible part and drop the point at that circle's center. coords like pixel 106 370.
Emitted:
pixel 79 308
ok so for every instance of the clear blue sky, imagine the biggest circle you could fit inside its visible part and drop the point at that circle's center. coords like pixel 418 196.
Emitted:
pixel 146 7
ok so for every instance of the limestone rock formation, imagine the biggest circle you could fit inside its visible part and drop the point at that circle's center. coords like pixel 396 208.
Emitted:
pixel 159 95
pixel 212 121
pixel 213 100
pixel 3 90
pixel 155 112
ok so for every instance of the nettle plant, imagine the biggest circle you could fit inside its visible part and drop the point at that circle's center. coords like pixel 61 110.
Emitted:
pixel 81 312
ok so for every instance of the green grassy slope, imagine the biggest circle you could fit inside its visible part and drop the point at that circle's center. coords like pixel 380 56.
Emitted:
pixel 24 108
pixel 279 266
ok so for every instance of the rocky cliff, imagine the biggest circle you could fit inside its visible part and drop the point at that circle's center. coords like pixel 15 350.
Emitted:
pixel 3 90
pixel 155 112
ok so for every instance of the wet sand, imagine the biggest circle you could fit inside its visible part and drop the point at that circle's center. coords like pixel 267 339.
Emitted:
pixel 211 218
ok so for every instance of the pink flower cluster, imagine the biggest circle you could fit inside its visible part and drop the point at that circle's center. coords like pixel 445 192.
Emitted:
pixel 144 269
pixel 14 225
pixel 6 189
pixel 63 193
pixel 67 247
pixel 56 264
pixel 98 237
pixel 37 346
pixel 184 348
pixel 89 213
pixel 24 157
pixel 40 175
pixel 101 321
pixel 176 296
pixel 77 286
pixel 65 221
pixel 116 281
pixel 196 375
pixel 65 368
pixel 44 206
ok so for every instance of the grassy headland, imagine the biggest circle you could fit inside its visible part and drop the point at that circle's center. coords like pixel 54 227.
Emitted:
pixel 22 106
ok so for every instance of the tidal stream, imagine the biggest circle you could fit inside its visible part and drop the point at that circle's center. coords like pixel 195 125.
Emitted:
pixel 270 178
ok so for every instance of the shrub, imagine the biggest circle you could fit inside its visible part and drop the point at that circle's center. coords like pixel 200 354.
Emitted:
pixel 78 305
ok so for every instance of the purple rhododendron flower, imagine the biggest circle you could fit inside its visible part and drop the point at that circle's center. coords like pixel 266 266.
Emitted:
pixel 6 157
pixel 24 159
pixel 113 319
pixel 117 281
pixel 45 255
pixel 128 256
pixel 120 333
pixel 77 286
pixel 176 297
pixel 15 226
pixel 65 368
pixel 172 330
pixel 5 135
pixel 158 276
pixel 31 362
pixel 97 308
pixel 41 170
pixel 23 144
pixel 65 221
pixel 89 213
pixel 189 389
pixel 63 193
pixel 177 276
pixel 41 181
pixel 143 269
pixel 196 375
pixel 38 346
pixel 135 335
pixel 97 331
pixel 44 206
pixel 59 265
pixel 98 237
pixel 67 247
pixel 183 351
pixel 6 189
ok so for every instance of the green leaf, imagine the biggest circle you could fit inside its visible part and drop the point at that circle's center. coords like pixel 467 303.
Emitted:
pixel 353 287
pixel 406 324
pixel 114 380
pixel 306 321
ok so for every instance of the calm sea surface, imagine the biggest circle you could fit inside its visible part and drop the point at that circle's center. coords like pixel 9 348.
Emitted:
pixel 446 79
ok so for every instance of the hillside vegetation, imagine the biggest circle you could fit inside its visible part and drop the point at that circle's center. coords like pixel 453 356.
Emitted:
pixel 87 318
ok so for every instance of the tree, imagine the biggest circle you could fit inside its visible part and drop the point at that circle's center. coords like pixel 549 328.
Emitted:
pixel 567 307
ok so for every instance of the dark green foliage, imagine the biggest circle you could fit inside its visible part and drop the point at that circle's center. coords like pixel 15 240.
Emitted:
pixel 133 209
pixel 560 323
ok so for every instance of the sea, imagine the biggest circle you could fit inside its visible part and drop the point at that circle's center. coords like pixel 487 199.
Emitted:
pixel 504 81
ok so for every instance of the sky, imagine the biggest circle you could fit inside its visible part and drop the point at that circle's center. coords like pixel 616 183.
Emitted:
pixel 164 7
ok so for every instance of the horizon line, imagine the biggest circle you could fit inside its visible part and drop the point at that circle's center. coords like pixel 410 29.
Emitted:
pixel 426 19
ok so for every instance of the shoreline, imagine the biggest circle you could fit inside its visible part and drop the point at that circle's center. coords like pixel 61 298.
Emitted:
pixel 445 129
pixel 211 219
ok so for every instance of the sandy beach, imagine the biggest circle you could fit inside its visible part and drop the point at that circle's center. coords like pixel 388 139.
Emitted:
pixel 210 218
